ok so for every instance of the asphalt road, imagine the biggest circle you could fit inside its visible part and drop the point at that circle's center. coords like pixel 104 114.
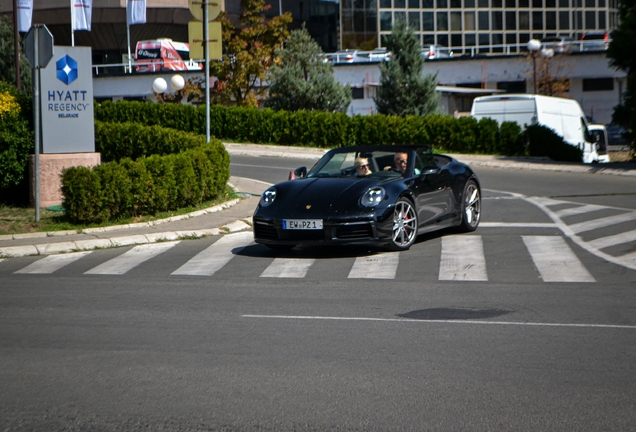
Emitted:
pixel 155 350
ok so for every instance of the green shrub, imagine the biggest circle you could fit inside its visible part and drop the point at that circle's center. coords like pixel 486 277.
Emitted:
pixel 509 143
pixel 116 190
pixel 117 141
pixel 543 141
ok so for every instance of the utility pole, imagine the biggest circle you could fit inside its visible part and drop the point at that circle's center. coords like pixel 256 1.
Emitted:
pixel 16 44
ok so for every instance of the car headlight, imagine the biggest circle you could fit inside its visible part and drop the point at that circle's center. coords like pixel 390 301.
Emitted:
pixel 268 197
pixel 372 197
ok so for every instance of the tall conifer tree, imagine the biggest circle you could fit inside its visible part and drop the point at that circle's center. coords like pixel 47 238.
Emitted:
pixel 303 80
pixel 403 89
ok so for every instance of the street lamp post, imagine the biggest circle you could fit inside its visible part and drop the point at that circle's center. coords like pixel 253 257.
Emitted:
pixel 159 87
pixel 533 47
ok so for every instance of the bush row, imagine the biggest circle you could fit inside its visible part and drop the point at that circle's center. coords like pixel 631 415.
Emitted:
pixel 117 141
pixel 148 185
pixel 319 129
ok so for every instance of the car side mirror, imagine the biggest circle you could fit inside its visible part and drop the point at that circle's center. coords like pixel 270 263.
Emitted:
pixel 298 173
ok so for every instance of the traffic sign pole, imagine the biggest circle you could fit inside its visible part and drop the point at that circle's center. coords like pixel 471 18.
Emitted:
pixel 38 49
pixel 36 123
pixel 206 36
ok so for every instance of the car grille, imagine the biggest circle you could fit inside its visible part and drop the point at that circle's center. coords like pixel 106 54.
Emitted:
pixel 354 231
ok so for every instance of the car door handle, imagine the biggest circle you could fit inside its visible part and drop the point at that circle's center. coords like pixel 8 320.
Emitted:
pixel 431 171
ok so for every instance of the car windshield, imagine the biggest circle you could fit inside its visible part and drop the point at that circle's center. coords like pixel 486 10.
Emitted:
pixel 361 164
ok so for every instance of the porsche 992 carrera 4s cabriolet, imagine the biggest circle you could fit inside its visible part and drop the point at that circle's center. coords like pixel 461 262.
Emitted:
pixel 369 194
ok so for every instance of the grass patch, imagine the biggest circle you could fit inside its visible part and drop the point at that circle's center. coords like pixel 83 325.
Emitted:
pixel 18 220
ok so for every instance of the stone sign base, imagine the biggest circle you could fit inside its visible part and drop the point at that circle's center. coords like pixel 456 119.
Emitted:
pixel 51 166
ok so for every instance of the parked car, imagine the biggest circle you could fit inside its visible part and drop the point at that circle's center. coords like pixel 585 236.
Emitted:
pixel 564 116
pixel 594 41
pixel 346 56
pixel 599 133
pixel 434 52
pixel 333 204
pixel 560 44
pixel 379 54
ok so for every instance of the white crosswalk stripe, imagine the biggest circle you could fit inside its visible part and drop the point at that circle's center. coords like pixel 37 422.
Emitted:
pixel 212 259
pixel 463 259
pixel 380 266
pixel 578 210
pixel 131 259
pixel 288 268
pixel 555 260
pixel 52 263
pixel 603 242
pixel 602 222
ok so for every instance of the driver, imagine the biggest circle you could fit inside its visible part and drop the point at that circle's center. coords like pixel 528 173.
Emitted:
pixel 362 166
pixel 400 162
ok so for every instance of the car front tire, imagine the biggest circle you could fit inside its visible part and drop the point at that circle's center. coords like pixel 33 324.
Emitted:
pixel 471 207
pixel 404 225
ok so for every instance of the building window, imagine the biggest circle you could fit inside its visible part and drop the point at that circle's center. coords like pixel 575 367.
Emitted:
pixel 601 20
pixel 469 21
pixel 470 39
pixel 537 20
pixel 414 21
pixel 357 92
pixel 511 20
pixel 598 84
pixel 497 21
pixel 399 4
pixel 427 4
pixel 456 21
pixel 524 21
pixel 414 4
pixel 482 3
pixel 385 21
pixel 483 21
pixel 564 20
pixel 590 20
pixel 428 21
pixel 512 86
pixel 550 20
pixel 442 21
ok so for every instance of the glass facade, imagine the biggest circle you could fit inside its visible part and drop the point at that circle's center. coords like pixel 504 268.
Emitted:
pixel 465 25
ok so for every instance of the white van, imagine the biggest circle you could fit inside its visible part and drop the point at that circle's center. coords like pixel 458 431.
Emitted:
pixel 564 116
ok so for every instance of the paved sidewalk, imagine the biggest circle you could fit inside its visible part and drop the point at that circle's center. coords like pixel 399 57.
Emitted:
pixel 236 215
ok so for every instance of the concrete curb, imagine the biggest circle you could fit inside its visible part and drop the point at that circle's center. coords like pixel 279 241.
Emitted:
pixel 84 245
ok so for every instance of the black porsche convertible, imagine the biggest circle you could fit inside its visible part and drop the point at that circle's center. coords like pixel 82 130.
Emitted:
pixel 369 194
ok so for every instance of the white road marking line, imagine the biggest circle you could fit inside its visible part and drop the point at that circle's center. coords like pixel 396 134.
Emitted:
pixel 614 240
pixel 555 260
pixel 548 201
pixel 52 263
pixel 131 259
pixel 578 210
pixel 213 258
pixel 602 222
pixel 471 322
pixel 288 268
pixel 380 266
pixel 463 259
pixel 517 225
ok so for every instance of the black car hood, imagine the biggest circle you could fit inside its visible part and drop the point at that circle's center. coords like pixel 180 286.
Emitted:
pixel 323 196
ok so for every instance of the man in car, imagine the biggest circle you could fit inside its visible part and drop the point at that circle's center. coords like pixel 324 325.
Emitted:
pixel 400 162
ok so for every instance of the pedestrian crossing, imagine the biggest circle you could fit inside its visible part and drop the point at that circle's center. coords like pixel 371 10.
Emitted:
pixel 461 258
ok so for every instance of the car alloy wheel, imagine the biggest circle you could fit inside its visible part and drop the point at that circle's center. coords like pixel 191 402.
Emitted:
pixel 471 207
pixel 404 225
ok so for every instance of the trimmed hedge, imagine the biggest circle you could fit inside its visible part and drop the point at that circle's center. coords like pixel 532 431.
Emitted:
pixel 311 128
pixel 543 141
pixel 148 185
pixel 117 141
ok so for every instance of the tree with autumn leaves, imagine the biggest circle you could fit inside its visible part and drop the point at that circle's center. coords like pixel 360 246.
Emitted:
pixel 248 53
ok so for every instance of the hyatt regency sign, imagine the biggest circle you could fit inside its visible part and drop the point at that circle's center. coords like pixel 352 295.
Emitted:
pixel 66 102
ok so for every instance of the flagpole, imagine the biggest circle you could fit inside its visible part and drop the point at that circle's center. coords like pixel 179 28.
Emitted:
pixel 72 24
pixel 128 35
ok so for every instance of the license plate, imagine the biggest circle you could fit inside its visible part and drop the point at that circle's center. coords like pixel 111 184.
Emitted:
pixel 302 224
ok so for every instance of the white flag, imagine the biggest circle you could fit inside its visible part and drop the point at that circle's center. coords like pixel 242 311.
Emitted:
pixel 136 11
pixel 82 10
pixel 25 13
